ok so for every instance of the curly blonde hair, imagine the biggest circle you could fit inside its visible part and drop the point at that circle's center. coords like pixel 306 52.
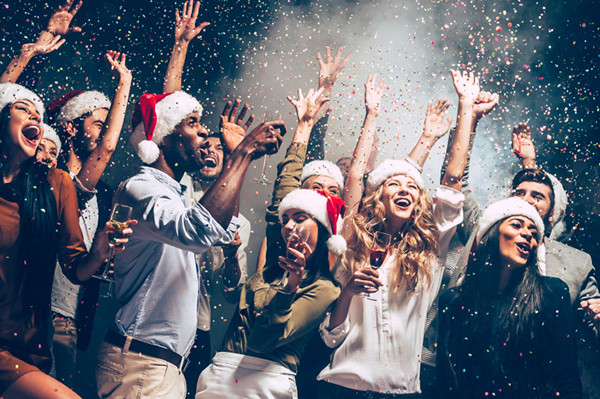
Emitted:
pixel 415 246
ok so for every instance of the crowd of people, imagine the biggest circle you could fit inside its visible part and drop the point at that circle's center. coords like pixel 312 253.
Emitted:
pixel 365 286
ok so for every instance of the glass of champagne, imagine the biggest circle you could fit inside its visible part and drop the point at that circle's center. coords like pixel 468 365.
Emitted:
pixel 296 240
pixel 119 215
pixel 262 179
pixel 379 249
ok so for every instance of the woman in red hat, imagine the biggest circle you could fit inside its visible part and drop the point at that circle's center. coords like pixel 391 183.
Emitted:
pixel 271 327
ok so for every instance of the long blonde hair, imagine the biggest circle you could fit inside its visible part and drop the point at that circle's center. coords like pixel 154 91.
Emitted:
pixel 415 246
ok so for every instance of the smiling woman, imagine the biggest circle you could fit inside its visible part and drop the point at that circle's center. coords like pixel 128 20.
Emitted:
pixel 37 205
pixel 507 330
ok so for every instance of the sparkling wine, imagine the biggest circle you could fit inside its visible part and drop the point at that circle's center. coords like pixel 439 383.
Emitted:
pixel 377 257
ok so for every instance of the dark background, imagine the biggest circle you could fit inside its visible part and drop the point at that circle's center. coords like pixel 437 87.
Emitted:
pixel 542 56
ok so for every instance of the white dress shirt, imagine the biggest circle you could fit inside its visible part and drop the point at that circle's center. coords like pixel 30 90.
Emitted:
pixel 379 343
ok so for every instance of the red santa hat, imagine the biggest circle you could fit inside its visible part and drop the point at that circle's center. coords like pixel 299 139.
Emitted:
pixel 11 92
pixel 323 168
pixel 75 104
pixel 155 117
pixel 326 208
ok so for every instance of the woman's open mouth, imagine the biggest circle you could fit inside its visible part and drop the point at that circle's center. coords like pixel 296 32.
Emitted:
pixel 31 133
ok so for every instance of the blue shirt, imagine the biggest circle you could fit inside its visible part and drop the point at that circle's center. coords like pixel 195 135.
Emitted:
pixel 156 277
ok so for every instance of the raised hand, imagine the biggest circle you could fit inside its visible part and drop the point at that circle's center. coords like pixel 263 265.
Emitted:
pixel 466 85
pixel 522 145
pixel 307 107
pixel 437 123
pixel 185 26
pixel 330 70
pixel 116 61
pixel 373 93
pixel 263 139
pixel 233 130
pixel 60 21
pixel 485 102
pixel 44 45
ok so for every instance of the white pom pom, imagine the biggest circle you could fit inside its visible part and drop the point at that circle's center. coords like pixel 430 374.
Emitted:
pixel 336 245
pixel 148 151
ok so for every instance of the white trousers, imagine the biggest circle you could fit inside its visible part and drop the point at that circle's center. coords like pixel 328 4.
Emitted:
pixel 232 375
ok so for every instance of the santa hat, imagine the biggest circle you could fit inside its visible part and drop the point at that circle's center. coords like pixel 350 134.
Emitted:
pixel 323 168
pixel 11 92
pixel 389 168
pixel 560 207
pixel 50 134
pixel 75 104
pixel 326 208
pixel 155 117
pixel 513 206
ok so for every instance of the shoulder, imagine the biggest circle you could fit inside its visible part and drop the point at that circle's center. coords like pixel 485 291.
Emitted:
pixel 557 289
pixel 57 177
pixel 566 252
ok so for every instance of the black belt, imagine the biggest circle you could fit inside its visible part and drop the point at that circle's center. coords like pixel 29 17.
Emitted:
pixel 145 348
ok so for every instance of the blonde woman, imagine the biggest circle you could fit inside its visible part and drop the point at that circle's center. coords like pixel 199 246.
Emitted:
pixel 378 339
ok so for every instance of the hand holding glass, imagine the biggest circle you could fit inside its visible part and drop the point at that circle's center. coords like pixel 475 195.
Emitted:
pixel 119 216
pixel 296 240
pixel 379 249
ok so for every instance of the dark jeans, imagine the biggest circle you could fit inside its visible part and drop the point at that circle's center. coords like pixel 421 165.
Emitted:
pixel 198 359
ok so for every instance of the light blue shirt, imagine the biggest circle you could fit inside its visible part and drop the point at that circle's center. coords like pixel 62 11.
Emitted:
pixel 156 277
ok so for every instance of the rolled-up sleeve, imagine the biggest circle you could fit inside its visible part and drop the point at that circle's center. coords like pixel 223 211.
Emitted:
pixel 334 338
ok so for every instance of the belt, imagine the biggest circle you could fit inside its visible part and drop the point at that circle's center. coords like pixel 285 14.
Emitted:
pixel 130 344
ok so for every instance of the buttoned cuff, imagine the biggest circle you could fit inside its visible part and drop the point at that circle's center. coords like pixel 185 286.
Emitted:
pixel 334 338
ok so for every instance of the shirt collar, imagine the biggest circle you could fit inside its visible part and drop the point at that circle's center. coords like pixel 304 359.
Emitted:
pixel 164 179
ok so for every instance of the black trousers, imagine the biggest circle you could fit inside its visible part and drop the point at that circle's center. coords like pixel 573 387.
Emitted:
pixel 198 360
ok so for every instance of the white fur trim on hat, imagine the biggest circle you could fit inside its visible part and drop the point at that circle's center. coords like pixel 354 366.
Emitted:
pixel 315 205
pixel 502 209
pixel 84 103
pixel 389 168
pixel 560 207
pixel 323 168
pixel 11 92
pixel 50 134
pixel 170 111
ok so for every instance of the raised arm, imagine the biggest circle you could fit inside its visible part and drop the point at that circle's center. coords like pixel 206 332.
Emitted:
pixel 185 31
pixel 353 189
pixel 522 145
pixel 467 88
pixel 222 196
pixel 48 40
pixel 328 74
pixel 307 109
pixel 95 164
pixel 436 125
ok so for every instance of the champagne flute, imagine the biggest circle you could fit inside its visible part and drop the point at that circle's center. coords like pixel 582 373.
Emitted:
pixel 119 215
pixel 296 240
pixel 379 249
pixel 262 179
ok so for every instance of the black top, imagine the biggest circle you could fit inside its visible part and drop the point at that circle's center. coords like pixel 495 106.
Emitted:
pixel 466 370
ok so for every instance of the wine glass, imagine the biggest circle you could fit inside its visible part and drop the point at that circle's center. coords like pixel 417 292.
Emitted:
pixel 379 249
pixel 119 215
pixel 296 240
pixel 262 179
